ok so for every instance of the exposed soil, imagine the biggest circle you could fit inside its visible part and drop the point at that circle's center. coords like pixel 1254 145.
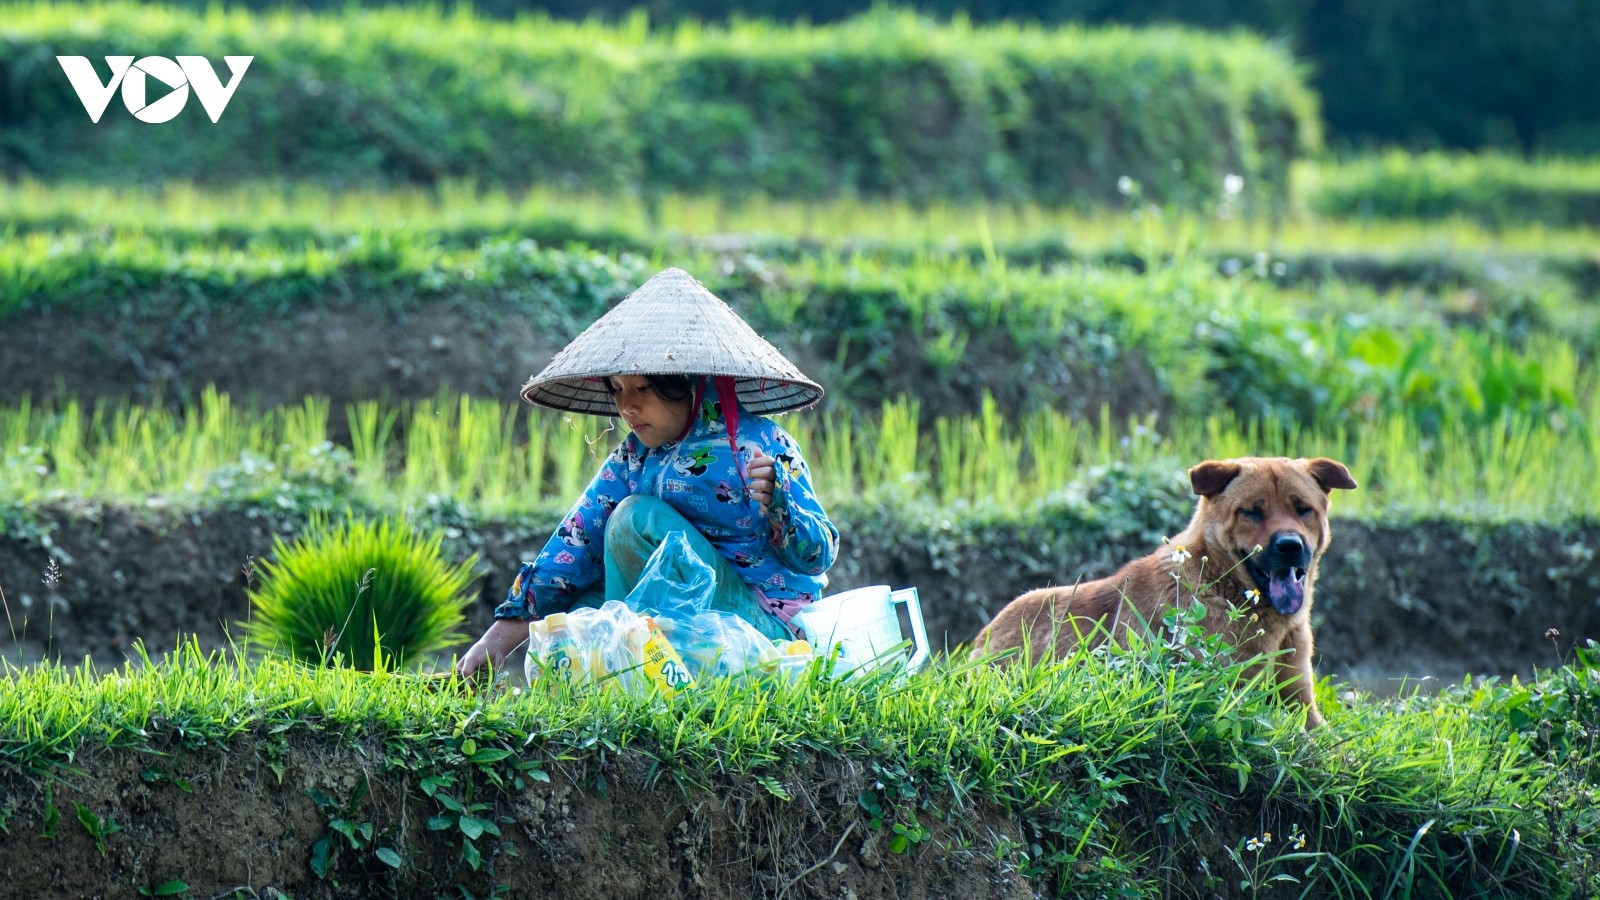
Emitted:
pixel 350 348
pixel 1439 598
pixel 241 826
pixel 347 352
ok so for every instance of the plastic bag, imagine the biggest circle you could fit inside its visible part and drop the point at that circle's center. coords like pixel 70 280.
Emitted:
pixel 609 644
pixel 715 643
pixel 675 582
pixel 677 586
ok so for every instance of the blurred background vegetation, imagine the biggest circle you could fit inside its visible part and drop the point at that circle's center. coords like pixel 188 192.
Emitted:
pixel 1429 74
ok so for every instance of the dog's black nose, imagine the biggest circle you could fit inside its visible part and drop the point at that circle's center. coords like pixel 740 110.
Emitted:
pixel 1288 546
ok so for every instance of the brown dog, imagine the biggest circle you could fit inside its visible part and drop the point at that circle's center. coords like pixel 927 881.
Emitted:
pixel 1263 522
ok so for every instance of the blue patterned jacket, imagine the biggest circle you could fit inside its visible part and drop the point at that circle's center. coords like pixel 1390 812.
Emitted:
pixel 783 554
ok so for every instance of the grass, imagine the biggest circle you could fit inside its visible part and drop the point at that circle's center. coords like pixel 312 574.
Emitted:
pixel 498 460
pixel 1495 189
pixel 1123 760
pixel 890 325
pixel 798 110
pixel 461 212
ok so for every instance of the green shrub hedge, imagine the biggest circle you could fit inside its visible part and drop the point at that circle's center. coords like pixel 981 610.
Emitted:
pixel 883 105
pixel 1493 189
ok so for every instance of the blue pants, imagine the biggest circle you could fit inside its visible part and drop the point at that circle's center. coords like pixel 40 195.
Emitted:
pixel 636 528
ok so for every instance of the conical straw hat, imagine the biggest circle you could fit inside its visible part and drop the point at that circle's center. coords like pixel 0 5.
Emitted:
pixel 671 325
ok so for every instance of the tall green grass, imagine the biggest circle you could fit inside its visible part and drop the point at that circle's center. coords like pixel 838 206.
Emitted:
pixel 498 459
pixel 1125 762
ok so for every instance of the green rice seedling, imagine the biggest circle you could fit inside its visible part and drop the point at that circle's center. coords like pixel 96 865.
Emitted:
pixel 952 475
pixel 1052 443
pixel 578 445
pixel 892 458
pixel 536 457
pixel 358 593
pixel 834 450
pixel 475 452
pixel 427 462
pixel 371 429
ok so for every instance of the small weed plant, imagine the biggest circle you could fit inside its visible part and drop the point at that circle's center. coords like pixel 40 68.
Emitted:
pixel 359 593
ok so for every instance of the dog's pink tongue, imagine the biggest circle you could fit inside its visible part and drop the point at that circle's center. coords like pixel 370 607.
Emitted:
pixel 1285 592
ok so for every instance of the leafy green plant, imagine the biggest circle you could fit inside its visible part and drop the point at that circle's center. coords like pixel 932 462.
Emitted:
pixel 98 828
pixel 342 821
pixel 52 816
pixel 467 818
pixel 171 888
pixel 908 834
pixel 363 594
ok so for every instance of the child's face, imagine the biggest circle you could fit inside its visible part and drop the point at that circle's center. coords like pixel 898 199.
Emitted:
pixel 653 418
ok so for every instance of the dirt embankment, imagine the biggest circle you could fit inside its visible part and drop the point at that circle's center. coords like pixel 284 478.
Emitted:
pixel 1430 597
pixel 351 348
pixel 241 825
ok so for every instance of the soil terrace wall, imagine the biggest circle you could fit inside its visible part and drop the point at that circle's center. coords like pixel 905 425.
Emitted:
pixel 240 825
pixel 351 346
pixel 1426 597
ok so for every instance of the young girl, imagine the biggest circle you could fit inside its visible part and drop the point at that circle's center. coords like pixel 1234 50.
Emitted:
pixel 700 459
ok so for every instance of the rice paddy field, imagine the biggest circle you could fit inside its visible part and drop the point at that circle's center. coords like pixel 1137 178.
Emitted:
pixel 1120 774
pixel 194 370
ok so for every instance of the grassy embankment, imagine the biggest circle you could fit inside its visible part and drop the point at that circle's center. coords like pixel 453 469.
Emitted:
pixel 1499 191
pixel 399 96
pixel 1134 770
pixel 1328 236
pixel 882 326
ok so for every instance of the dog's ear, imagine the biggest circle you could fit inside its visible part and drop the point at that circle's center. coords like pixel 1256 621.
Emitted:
pixel 1330 474
pixel 1209 478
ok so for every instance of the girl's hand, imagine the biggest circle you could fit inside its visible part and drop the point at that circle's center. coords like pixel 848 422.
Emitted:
pixel 502 637
pixel 762 477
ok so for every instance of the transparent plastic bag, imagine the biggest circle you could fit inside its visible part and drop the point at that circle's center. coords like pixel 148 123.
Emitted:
pixel 610 645
pixel 675 582
pixel 715 643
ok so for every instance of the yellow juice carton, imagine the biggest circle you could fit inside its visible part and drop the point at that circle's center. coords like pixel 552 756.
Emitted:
pixel 562 652
pixel 662 664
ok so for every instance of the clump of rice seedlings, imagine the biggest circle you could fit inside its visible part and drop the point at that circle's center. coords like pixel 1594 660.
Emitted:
pixel 360 594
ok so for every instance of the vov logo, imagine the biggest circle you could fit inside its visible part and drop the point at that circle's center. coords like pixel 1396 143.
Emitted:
pixel 187 72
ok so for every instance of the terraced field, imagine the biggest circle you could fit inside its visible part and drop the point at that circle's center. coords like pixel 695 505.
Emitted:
pixel 1015 391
